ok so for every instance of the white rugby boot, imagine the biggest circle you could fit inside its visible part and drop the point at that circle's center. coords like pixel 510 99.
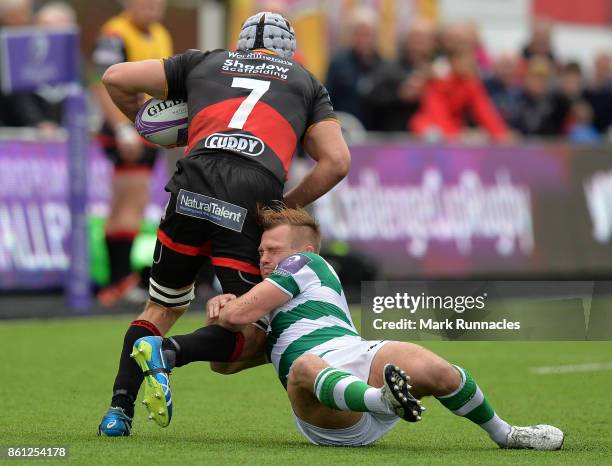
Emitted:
pixel 540 437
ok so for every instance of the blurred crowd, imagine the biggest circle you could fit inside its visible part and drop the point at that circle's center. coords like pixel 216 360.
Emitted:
pixel 445 85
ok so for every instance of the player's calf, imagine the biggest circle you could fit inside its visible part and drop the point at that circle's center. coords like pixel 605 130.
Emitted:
pixel 468 401
pixel 155 320
pixel 457 390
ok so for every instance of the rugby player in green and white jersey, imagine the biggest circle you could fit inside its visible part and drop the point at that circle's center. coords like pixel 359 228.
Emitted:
pixel 343 390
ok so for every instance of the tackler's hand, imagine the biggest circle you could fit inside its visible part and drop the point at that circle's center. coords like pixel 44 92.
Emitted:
pixel 214 306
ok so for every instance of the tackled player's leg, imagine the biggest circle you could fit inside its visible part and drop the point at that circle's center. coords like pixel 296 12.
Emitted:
pixel 457 390
pixel 335 407
pixel 304 402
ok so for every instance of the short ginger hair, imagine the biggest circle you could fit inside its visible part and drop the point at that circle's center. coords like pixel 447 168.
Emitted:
pixel 271 217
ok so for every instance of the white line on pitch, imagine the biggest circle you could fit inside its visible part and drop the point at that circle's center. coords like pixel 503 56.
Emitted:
pixel 588 367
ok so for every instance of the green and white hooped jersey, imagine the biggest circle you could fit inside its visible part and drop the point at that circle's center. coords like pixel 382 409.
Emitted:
pixel 316 319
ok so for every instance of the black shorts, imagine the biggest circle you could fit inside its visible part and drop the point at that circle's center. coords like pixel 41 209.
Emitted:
pixel 146 161
pixel 149 154
pixel 212 212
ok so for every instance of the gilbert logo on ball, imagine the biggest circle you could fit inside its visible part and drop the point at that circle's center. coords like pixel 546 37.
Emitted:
pixel 163 122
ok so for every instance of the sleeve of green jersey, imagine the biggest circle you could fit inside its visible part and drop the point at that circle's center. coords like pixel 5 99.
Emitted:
pixel 286 283
pixel 288 274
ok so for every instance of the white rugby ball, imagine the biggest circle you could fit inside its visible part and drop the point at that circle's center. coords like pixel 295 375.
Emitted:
pixel 163 122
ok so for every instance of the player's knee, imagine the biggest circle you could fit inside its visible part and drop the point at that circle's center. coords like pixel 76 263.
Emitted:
pixel 304 370
pixel 445 378
pixel 160 316
pixel 451 378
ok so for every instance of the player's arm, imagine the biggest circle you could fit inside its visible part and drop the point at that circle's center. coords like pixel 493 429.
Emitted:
pixel 325 144
pixel 110 49
pixel 126 81
pixel 128 141
pixel 251 306
pixel 112 115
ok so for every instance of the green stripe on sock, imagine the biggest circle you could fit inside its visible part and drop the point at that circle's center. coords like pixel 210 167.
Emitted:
pixel 465 394
pixel 481 414
pixel 326 394
pixel 354 396
pixel 321 374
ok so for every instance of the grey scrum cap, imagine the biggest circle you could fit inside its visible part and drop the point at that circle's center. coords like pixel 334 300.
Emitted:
pixel 270 31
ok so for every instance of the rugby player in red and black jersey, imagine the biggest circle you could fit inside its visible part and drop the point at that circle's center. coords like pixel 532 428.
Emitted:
pixel 249 110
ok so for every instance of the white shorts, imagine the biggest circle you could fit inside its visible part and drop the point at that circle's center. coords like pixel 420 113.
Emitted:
pixel 356 359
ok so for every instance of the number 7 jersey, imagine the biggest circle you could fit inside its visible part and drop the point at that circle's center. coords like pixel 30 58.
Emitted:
pixel 250 103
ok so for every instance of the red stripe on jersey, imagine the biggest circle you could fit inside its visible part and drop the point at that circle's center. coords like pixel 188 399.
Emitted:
pixel 235 264
pixel 186 249
pixel 264 122
pixel 210 120
pixel 206 250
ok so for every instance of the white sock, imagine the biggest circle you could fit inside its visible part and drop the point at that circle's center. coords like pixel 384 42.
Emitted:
pixel 498 430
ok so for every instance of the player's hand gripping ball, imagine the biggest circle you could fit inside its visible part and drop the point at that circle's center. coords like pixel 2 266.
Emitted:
pixel 163 122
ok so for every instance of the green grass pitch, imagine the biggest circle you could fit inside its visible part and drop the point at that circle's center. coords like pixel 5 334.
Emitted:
pixel 57 377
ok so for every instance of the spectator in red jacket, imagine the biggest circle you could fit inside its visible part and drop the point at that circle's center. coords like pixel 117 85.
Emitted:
pixel 454 100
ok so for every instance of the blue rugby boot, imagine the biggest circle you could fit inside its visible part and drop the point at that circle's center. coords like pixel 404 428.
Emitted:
pixel 115 423
pixel 157 394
